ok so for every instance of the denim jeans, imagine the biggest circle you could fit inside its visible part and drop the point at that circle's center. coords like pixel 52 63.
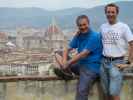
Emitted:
pixel 111 77
pixel 85 82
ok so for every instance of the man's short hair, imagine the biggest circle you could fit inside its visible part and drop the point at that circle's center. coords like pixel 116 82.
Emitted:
pixel 82 17
pixel 111 5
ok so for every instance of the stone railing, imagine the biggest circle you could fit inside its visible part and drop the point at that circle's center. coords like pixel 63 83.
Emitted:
pixel 52 88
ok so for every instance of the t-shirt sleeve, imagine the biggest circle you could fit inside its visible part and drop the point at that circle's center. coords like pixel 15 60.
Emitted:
pixel 128 35
pixel 73 43
pixel 93 43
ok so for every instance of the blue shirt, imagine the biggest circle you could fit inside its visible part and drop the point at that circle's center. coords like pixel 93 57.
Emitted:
pixel 92 42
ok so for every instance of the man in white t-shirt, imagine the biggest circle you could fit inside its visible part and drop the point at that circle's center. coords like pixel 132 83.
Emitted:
pixel 116 38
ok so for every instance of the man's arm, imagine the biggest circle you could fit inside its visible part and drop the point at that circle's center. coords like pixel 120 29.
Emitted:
pixel 76 58
pixel 130 57
pixel 130 52
pixel 128 36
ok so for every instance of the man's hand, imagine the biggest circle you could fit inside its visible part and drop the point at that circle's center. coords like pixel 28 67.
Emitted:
pixel 77 33
pixel 67 65
pixel 122 66
pixel 130 52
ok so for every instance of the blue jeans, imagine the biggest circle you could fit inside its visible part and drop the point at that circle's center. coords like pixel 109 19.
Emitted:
pixel 86 81
pixel 111 77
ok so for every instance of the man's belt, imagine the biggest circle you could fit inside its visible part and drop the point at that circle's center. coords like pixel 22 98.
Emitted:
pixel 113 58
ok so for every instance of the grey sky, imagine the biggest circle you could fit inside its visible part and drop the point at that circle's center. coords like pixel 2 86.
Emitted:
pixel 54 4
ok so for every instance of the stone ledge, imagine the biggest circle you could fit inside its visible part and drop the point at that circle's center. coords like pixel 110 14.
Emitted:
pixel 44 78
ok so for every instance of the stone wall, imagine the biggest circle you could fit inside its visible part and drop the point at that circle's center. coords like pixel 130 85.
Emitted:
pixel 51 90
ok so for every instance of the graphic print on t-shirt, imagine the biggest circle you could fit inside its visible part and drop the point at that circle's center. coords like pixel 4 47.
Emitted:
pixel 110 37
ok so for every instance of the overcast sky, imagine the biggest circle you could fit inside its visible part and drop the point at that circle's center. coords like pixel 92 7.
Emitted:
pixel 55 4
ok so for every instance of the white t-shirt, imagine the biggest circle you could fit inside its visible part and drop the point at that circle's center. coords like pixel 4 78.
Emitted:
pixel 115 39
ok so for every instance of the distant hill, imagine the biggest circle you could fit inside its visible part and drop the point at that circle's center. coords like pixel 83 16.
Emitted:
pixel 97 15
pixel 38 17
